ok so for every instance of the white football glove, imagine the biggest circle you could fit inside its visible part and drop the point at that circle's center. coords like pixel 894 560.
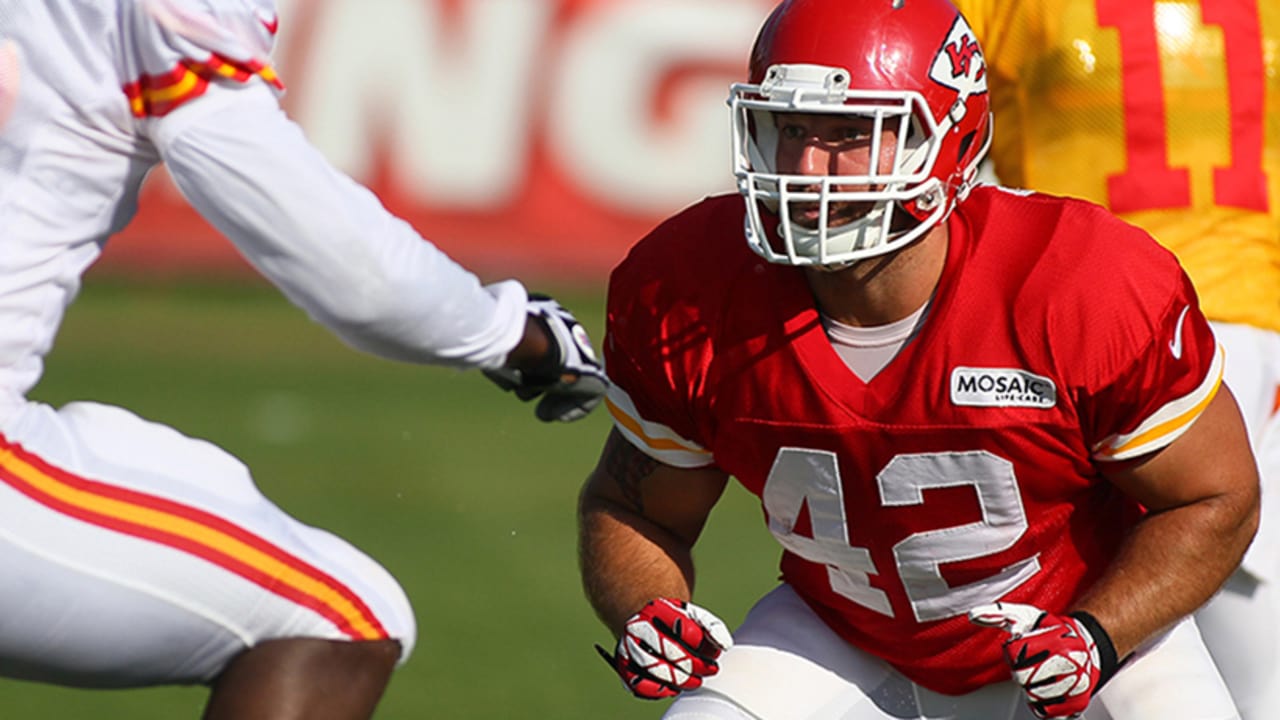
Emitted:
pixel 667 648
pixel 571 381
pixel 1059 660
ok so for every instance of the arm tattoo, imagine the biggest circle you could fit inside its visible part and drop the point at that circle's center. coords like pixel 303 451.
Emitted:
pixel 628 467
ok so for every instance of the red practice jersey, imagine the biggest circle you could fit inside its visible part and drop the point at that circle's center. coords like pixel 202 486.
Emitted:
pixel 964 472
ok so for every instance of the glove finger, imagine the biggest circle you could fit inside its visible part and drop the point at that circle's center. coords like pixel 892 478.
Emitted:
pixel 671 617
pixel 1013 618
pixel 527 393
pixel 638 682
pixel 1020 656
pixel 566 402
pixel 659 659
pixel 648 646
pixel 1056 677
pixel 714 626
pixel 1052 710
pixel 554 408
pixel 648 688
pixel 693 662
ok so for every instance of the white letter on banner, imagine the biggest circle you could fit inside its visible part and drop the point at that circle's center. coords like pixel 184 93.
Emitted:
pixel 602 123
pixel 452 100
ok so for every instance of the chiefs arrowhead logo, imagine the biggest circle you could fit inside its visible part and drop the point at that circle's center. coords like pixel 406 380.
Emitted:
pixel 959 64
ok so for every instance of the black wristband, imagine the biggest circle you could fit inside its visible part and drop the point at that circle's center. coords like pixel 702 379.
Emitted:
pixel 1108 663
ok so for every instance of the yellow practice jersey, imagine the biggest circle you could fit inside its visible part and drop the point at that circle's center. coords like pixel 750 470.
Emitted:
pixel 1166 112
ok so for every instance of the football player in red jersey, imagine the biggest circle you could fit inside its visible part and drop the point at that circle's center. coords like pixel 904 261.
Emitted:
pixel 987 427
pixel 1168 114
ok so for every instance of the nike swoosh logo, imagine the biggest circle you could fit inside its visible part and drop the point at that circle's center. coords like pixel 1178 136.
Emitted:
pixel 1175 345
pixel 272 24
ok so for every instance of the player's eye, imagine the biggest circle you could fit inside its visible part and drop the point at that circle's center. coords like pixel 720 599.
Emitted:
pixel 793 131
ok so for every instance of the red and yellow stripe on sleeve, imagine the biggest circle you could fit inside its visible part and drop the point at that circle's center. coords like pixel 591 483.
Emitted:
pixel 192 531
pixel 1166 424
pixel 654 439
pixel 158 95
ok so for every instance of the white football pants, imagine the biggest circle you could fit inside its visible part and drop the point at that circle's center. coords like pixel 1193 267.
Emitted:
pixel 132 555
pixel 787 664
pixel 1241 624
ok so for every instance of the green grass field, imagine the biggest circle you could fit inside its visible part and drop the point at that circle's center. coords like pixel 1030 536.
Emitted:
pixel 451 484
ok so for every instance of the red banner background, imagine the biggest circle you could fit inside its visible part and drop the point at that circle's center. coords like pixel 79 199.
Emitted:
pixel 536 138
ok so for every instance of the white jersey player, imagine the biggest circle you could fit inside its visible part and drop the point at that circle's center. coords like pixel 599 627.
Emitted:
pixel 131 554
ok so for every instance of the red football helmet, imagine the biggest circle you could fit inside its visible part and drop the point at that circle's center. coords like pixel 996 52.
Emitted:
pixel 912 66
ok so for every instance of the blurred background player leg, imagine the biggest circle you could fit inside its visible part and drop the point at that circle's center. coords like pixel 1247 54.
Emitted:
pixel 1241 624
pixel 304 679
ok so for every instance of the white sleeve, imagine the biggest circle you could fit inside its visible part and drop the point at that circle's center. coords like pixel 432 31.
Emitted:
pixel 326 241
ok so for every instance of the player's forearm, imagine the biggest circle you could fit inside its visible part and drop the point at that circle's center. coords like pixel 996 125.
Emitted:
pixel 626 561
pixel 1172 563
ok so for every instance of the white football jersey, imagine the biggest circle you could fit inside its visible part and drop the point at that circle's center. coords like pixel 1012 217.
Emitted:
pixel 96 93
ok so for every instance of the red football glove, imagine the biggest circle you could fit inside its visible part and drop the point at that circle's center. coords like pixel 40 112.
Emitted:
pixel 667 648
pixel 1059 660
